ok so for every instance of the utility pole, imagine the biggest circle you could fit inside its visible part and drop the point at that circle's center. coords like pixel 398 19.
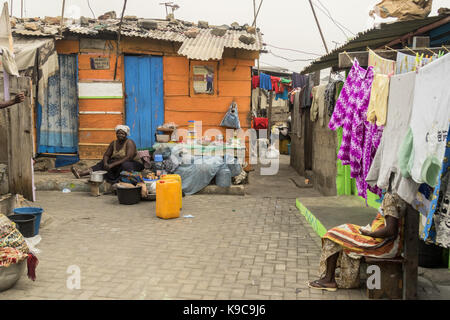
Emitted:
pixel 62 18
pixel 318 25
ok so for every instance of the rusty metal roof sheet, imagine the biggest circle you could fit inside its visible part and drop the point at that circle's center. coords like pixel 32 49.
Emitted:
pixel 204 46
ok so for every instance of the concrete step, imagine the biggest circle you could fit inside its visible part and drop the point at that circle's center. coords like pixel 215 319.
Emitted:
pixel 45 181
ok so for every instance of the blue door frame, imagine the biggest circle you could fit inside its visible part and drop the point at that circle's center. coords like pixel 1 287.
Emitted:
pixel 144 104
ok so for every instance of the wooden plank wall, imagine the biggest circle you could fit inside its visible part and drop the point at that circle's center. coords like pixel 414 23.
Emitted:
pixel 233 84
pixel 17 124
pixel 96 131
pixel 181 105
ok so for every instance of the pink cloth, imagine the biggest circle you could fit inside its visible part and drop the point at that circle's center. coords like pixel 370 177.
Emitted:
pixel 360 138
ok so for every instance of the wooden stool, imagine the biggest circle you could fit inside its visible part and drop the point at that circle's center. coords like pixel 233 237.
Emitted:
pixel 391 285
pixel 95 188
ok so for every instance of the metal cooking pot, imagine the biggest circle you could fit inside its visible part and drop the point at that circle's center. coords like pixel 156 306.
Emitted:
pixel 97 176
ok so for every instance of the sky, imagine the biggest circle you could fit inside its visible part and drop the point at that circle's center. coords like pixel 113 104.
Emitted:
pixel 286 24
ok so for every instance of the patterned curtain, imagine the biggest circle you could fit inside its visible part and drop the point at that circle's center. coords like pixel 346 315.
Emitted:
pixel 59 115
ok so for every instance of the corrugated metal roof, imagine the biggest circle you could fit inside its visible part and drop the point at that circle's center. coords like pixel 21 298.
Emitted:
pixel 373 38
pixel 204 46
pixel 208 46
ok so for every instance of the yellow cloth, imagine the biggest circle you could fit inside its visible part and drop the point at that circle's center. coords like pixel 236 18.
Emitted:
pixel 380 64
pixel 377 110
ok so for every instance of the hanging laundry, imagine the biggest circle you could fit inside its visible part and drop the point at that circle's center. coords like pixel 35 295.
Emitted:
pixel 380 64
pixel 423 148
pixel 284 95
pixel 339 86
pixel 385 163
pixel 275 84
pixel 265 81
pixel 439 211
pixel 318 104
pixel 330 96
pixel 377 111
pixel 255 82
pixel 306 95
pixel 360 138
pixel 407 63
pixel 299 80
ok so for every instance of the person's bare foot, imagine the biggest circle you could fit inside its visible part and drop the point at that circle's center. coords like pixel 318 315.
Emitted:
pixel 321 284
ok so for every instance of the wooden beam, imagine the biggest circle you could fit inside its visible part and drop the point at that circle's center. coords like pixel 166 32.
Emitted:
pixel 346 59
pixel 18 120
pixel 418 32
pixel 411 252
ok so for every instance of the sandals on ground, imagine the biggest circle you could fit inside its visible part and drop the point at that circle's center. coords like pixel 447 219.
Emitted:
pixel 320 286
pixel 75 172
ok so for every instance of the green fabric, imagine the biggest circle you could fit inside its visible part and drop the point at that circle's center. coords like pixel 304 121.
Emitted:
pixel 405 154
pixel 430 171
pixel 284 80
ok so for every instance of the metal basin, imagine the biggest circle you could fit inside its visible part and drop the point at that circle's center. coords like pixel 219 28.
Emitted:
pixel 98 176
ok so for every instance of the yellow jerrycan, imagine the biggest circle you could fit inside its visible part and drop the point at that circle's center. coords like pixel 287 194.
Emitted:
pixel 167 199
pixel 175 177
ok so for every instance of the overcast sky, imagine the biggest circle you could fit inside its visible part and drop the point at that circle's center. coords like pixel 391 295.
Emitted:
pixel 286 24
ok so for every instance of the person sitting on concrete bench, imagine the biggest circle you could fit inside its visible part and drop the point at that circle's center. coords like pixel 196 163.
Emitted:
pixel 121 155
pixel 345 245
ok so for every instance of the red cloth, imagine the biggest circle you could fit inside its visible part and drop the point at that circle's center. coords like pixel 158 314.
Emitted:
pixel 255 82
pixel 275 84
pixel 32 263
pixel 260 123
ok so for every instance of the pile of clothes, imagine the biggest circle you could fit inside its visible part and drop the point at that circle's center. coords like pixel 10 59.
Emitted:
pixel 14 249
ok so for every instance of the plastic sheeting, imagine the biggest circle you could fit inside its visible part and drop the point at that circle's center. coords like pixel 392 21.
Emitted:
pixel 198 173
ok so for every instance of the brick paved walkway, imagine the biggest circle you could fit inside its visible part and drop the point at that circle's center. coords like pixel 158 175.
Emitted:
pixel 235 247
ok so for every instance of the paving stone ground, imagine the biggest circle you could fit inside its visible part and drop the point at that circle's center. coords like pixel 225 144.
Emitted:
pixel 256 246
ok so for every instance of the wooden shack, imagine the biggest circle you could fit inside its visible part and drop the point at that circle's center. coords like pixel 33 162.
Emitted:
pixel 160 71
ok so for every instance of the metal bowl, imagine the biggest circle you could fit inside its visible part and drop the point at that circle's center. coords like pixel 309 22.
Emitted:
pixel 98 176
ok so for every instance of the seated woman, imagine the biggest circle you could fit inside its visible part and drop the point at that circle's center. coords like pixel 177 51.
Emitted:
pixel 345 245
pixel 121 155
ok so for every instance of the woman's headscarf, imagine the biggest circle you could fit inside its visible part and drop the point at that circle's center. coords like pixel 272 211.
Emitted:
pixel 124 128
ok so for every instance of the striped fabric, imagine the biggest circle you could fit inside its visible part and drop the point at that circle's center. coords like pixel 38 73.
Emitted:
pixel 356 244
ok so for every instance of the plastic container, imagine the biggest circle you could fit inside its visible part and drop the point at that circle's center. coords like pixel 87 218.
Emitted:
pixel 24 223
pixel 35 211
pixel 223 177
pixel 129 195
pixel 167 204
pixel 177 178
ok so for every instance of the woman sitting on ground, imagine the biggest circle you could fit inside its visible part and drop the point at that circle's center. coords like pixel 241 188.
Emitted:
pixel 345 245
pixel 121 155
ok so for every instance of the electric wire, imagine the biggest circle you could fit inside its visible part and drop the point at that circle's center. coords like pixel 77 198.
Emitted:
pixel 337 23
pixel 334 20
pixel 288 59
pixel 295 50
pixel 89 5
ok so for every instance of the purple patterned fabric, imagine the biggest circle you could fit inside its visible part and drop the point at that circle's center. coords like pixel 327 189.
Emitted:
pixel 360 138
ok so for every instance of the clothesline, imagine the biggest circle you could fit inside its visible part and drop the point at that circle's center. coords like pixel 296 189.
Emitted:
pixel 402 149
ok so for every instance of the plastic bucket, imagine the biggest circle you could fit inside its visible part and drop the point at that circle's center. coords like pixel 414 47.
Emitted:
pixel 25 223
pixel 223 177
pixel 129 195
pixel 37 212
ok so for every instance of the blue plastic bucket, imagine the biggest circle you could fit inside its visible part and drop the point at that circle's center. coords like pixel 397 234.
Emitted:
pixel 37 212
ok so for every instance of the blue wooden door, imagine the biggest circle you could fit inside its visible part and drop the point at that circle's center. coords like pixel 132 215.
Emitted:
pixel 144 104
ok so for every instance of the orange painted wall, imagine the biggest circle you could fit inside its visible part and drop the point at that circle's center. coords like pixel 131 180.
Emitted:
pixel 233 83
